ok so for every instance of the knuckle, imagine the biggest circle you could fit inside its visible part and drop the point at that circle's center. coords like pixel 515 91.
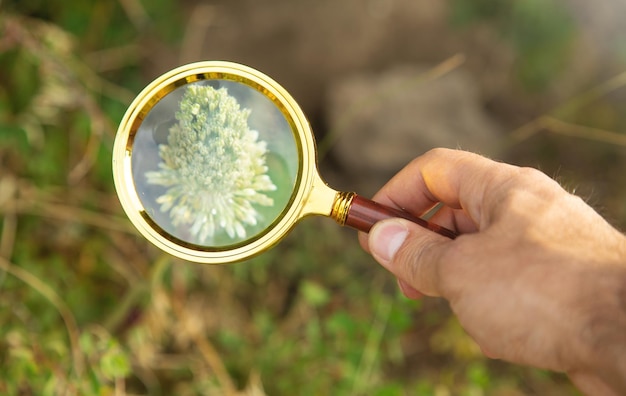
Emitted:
pixel 521 189
pixel 437 152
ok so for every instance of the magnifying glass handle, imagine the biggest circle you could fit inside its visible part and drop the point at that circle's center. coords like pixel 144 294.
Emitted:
pixel 363 213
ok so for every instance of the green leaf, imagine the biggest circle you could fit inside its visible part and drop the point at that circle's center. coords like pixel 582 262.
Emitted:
pixel 314 294
pixel 114 364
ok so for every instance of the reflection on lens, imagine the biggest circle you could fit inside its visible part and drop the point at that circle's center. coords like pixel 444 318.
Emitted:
pixel 208 169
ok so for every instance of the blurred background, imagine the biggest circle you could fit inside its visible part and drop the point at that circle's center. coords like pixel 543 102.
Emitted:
pixel 89 307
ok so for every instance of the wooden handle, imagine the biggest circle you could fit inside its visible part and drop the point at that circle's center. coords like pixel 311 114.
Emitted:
pixel 363 213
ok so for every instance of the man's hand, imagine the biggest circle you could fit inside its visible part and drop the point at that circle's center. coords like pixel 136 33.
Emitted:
pixel 537 276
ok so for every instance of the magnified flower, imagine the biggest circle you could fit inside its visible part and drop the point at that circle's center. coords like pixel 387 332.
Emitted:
pixel 213 166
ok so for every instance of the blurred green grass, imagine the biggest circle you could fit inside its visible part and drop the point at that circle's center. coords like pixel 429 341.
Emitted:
pixel 89 307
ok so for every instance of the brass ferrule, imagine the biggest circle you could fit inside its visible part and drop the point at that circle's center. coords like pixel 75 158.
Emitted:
pixel 341 206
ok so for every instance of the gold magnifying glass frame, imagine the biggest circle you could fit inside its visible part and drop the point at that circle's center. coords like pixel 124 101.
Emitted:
pixel 311 195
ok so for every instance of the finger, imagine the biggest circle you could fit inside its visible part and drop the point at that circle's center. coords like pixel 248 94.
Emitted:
pixel 411 253
pixel 441 175
pixel 409 291
pixel 459 179
pixel 452 219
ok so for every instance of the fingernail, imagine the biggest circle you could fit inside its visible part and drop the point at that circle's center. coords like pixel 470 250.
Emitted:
pixel 386 238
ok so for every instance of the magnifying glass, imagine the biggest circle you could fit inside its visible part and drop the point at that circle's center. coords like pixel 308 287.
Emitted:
pixel 214 162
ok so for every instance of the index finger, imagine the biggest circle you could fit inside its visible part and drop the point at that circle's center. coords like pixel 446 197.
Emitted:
pixel 458 179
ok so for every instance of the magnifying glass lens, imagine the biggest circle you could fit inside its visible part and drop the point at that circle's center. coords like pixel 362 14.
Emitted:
pixel 214 163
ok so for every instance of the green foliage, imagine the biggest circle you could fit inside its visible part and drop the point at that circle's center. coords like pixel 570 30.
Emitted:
pixel 314 294
pixel 19 87
pixel 540 31
pixel 108 360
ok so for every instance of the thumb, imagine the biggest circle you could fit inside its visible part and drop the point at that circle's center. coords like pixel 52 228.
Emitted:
pixel 410 252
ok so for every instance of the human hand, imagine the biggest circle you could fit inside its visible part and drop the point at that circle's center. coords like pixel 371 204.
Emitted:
pixel 537 276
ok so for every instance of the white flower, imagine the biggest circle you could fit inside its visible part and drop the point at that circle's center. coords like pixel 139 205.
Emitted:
pixel 213 166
